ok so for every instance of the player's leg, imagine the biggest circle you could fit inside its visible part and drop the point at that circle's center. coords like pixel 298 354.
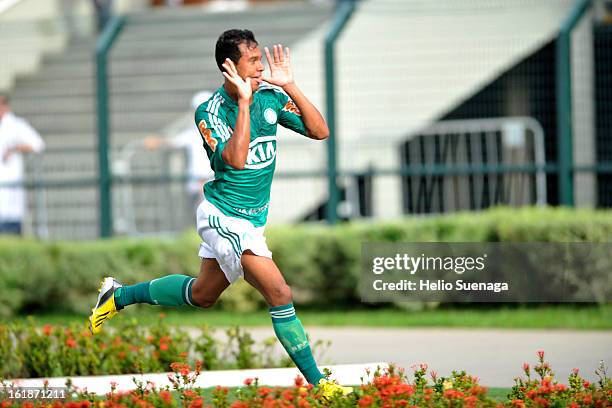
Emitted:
pixel 171 290
pixel 177 290
pixel 263 274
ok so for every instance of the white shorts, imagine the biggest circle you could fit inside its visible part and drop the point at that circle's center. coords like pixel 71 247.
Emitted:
pixel 226 238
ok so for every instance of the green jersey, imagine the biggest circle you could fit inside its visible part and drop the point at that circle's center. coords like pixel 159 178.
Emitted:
pixel 245 193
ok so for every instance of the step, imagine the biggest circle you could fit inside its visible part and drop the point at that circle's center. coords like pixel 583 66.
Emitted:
pixel 120 122
pixel 167 56
pixel 189 29
pixel 129 67
pixel 202 46
pixel 58 143
pixel 154 101
pixel 253 14
pixel 118 86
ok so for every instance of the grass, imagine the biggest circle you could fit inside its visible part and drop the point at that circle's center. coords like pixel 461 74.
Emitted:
pixel 545 317
pixel 497 394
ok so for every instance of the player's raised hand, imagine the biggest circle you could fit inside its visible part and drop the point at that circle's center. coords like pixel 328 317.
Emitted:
pixel 280 66
pixel 242 86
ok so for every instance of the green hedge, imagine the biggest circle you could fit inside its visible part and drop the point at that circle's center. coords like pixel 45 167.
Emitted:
pixel 320 263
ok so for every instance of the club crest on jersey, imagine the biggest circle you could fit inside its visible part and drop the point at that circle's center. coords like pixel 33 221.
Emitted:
pixel 290 106
pixel 270 116
pixel 207 135
pixel 262 152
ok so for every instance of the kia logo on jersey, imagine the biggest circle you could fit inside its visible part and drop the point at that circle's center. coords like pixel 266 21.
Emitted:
pixel 262 152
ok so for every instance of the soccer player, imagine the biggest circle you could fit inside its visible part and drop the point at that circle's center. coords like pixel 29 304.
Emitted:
pixel 238 127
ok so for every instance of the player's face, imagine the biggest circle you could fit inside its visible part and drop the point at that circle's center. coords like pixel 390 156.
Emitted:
pixel 249 65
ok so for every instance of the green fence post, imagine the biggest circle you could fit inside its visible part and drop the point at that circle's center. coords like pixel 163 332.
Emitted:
pixel 105 178
pixel 343 14
pixel 564 103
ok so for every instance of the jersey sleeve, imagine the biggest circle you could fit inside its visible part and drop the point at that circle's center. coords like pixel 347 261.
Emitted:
pixel 215 133
pixel 289 115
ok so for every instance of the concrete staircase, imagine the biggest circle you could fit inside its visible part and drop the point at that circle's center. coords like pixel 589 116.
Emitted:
pixel 162 58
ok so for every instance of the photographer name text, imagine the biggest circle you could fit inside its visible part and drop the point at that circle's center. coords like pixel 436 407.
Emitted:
pixel 439 285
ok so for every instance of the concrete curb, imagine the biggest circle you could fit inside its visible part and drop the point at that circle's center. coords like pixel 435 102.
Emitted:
pixel 348 374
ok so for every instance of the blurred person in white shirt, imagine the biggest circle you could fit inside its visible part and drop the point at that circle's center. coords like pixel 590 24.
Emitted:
pixel 189 138
pixel 17 138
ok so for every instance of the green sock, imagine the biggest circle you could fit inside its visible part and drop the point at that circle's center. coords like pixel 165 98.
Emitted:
pixel 171 290
pixel 292 336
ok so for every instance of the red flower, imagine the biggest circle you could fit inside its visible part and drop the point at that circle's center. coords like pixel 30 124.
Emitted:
pixel 366 401
pixel 477 390
pixel 575 371
pixel 163 346
pixel 263 391
pixel 189 394
pixel 287 395
pixel 197 403
pixel 518 403
pixel 70 342
pixel 451 394
pixel 471 400
pixel 166 396
pixel 541 354
pixel 47 329
pixel 121 355
pixel 525 367
pixel 248 381
pixel 299 381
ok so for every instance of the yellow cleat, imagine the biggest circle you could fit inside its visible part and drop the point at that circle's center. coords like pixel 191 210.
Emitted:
pixel 330 389
pixel 105 308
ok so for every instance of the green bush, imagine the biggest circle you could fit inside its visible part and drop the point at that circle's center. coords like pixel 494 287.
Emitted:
pixel 28 351
pixel 320 263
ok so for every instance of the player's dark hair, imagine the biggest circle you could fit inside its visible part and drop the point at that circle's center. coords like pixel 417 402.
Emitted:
pixel 227 45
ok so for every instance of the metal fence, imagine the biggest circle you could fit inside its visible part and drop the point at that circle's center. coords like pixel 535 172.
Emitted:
pixel 426 121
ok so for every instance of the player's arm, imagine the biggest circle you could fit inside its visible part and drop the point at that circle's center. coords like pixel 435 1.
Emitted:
pixel 282 75
pixel 237 148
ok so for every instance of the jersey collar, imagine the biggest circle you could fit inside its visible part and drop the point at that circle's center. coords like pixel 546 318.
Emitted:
pixel 231 100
